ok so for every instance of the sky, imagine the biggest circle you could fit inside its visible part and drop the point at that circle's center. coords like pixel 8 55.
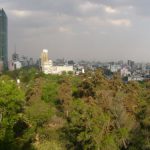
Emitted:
pixel 101 30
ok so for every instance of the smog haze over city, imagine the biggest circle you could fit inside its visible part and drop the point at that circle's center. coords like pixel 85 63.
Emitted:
pixel 80 29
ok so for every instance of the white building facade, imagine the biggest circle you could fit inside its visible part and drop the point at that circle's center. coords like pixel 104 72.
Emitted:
pixel 48 68
pixel 125 72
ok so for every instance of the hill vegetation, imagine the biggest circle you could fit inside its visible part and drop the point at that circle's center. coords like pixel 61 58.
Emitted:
pixel 67 112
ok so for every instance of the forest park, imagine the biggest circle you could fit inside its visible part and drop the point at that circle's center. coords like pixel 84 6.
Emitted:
pixel 68 112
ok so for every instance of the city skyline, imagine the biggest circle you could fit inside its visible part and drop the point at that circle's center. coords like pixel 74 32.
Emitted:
pixel 77 29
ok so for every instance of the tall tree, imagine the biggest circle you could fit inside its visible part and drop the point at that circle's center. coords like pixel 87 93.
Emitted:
pixel 11 105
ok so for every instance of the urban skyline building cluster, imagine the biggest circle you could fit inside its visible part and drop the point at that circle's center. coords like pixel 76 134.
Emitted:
pixel 59 65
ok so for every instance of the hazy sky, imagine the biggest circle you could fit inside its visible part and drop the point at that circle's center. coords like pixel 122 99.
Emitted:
pixel 80 29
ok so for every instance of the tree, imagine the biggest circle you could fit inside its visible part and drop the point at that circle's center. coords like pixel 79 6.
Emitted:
pixel 65 95
pixel 87 127
pixel 50 92
pixel 11 106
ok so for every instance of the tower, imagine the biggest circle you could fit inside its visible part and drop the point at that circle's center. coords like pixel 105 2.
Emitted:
pixel 3 39
pixel 46 65
pixel 44 56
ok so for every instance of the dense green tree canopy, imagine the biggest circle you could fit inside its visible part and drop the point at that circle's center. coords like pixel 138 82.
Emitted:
pixel 68 112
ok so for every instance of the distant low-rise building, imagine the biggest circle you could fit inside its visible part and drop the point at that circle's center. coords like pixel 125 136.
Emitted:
pixel 125 72
pixel 114 68
pixel 79 69
pixel 17 65
pixel 135 78
pixel 14 65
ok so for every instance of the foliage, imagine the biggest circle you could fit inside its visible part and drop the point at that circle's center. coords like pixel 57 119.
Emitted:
pixel 11 106
pixel 50 92
pixel 85 112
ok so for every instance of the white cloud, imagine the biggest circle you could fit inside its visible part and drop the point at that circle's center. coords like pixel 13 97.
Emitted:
pixel 88 6
pixel 21 13
pixel 95 22
pixel 110 10
pixel 120 22
pixel 92 21
pixel 64 29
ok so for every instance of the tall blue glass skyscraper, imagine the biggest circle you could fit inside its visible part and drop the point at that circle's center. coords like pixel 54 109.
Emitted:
pixel 3 39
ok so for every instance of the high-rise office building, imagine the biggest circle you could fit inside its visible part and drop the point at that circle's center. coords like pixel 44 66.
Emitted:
pixel 131 63
pixel 44 56
pixel 3 39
